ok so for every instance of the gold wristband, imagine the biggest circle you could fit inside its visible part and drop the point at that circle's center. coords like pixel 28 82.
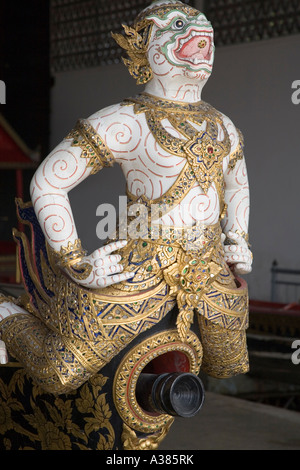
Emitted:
pixel 70 258
pixel 71 255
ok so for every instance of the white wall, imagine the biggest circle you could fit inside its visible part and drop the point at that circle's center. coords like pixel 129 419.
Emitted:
pixel 251 84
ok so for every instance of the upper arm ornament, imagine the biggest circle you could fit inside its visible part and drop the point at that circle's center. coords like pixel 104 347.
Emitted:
pixel 92 144
pixel 238 153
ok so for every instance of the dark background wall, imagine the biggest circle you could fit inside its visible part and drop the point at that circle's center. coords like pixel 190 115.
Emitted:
pixel 25 69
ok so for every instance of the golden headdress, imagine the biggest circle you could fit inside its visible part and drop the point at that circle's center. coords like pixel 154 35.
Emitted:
pixel 135 43
pixel 136 39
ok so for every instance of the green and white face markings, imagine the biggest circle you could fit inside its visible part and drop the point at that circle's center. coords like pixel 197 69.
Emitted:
pixel 185 41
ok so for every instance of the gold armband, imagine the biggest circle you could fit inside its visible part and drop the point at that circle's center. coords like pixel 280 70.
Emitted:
pixel 70 258
pixel 238 154
pixel 93 146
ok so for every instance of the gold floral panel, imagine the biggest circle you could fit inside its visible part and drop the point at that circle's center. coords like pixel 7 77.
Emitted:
pixel 31 419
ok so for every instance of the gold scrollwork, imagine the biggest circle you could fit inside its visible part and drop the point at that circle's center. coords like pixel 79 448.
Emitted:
pixel 132 442
pixel 130 369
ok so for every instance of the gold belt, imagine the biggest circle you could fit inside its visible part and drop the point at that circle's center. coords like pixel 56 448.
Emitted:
pixel 193 238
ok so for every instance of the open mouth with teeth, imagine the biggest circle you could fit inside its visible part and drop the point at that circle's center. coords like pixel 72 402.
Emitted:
pixel 195 48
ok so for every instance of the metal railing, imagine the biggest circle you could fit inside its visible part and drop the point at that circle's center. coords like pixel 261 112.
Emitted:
pixel 290 278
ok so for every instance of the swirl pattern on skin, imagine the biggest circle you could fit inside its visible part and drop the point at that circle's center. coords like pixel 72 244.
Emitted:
pixel 123 135
pixel 176 152
pixel 61 171
pixel 150 170
pixel 58 227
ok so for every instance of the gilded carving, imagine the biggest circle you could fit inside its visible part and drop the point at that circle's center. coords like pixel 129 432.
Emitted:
pixel 133 364
pixel 184 249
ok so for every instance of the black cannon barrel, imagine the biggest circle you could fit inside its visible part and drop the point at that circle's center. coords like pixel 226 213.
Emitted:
pixel 177 394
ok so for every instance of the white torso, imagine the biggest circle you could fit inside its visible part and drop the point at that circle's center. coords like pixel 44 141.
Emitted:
pixel 150 170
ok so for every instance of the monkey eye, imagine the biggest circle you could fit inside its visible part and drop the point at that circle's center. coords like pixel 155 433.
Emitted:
pixel 178 24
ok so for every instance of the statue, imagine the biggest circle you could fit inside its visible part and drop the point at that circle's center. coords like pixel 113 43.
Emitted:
pixel 169 282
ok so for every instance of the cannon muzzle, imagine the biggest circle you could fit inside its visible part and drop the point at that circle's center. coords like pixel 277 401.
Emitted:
pixel 177 394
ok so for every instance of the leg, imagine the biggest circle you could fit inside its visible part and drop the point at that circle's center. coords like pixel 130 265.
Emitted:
pixel 3 353
pixel 7 309
pixel 58 364
pixel 224 351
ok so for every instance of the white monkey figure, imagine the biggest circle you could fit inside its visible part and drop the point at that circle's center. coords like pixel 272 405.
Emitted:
pixel 176 53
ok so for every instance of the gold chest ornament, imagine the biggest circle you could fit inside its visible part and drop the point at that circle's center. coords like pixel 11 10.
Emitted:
pixel 202 149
